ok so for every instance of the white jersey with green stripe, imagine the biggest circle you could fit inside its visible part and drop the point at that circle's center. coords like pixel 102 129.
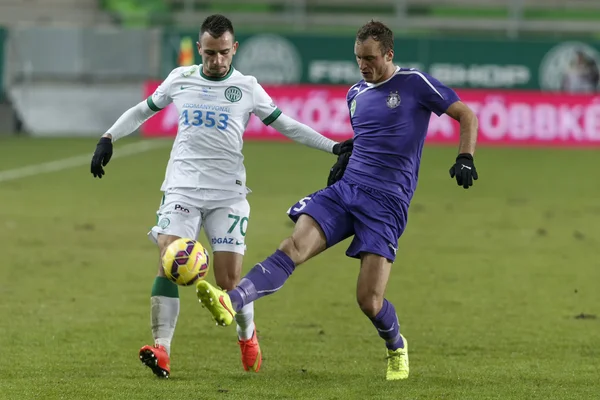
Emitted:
pixel 213 115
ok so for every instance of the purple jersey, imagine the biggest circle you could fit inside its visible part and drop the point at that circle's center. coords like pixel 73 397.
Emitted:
pixel 390 121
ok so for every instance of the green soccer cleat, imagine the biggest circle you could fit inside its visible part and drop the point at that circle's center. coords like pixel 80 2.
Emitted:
pixel 217 301
pixel 397 367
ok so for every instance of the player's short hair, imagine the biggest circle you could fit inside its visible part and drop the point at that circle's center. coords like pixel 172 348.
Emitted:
pixel 216 25
pixel 379 32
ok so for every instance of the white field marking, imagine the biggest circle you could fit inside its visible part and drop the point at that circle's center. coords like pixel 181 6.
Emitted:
pixel 77 161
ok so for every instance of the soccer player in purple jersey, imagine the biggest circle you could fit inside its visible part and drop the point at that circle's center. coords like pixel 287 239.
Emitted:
pixel 389 112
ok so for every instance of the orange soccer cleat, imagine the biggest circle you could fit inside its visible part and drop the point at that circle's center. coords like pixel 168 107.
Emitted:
pixel 251 354
pixel 157 359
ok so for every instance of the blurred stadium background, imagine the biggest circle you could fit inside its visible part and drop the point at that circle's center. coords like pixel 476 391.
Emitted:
pixel 496 287
pixel 64 54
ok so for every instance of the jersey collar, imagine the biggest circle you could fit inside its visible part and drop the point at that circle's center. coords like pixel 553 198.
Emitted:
pixel 210 78
pixel 380 83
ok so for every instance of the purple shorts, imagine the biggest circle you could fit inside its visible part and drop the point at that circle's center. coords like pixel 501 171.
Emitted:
pixel 376 219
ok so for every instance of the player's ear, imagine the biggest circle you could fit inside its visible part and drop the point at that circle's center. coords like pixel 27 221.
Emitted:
pixel 389 56
pixel 199 47
pixel 235 46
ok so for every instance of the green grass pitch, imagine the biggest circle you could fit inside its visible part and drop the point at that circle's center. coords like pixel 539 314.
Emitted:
pixel 487 285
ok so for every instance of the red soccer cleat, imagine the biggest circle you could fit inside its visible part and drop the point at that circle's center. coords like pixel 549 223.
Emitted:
pixel 156 358
pixel 251 354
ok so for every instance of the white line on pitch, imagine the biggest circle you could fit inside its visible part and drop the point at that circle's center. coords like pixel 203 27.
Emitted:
pixel 77 161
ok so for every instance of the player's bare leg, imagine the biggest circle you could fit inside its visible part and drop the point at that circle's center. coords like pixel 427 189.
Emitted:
pixel 227 266
pixel 268 276
pixel 164 312
pixel 372 282
pixel 228 269
pixel 307 241
pixel 370 291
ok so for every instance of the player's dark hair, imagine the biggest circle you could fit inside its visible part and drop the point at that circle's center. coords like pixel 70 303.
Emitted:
pixel 216 25
pixel 379 32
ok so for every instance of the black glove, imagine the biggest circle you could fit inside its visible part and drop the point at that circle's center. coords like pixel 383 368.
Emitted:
pixel 337 171
pixel 102 155
pixel 464 170
pixel 343 147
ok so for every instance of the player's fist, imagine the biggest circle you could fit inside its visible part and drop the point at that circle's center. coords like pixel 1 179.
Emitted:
pixel 102 155
pixel 464 170
pixel 343 147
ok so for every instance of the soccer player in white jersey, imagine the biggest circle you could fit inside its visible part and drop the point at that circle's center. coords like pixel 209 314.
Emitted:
pixel 205 181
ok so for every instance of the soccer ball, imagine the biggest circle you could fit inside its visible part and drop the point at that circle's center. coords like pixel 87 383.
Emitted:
pixel 185 262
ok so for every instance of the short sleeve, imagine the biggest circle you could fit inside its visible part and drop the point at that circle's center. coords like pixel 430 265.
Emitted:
pixel 432 94
pixel 162 95
pixel 352 92
pixel 264 107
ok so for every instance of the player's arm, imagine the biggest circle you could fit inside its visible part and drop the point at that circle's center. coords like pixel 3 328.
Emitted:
pixel 131 120
pixel 303 134
pixel 306 135
pixel 463 168
pixel 468 126
pixel 128 122
pixel 441 99
pixel 267 111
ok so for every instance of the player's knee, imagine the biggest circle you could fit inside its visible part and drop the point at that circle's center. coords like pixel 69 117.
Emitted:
pixel 227 267
pixel 370 303
pixel 163 241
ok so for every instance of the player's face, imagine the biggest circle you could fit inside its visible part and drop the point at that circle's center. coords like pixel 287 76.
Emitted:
pixel 374 65
pixel 216 53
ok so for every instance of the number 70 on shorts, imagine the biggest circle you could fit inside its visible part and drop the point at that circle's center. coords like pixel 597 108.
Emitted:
pixel 238 222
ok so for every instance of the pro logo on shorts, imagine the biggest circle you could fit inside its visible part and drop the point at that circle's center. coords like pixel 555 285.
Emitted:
pixel 178 207
pixel 233 94
pixel 163 223
pixel 393 100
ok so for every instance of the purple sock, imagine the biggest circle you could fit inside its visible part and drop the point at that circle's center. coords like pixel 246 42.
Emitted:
pixel 388 327
pixel 264 278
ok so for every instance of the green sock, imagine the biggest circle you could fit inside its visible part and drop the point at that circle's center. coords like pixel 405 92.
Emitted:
pixel 164 287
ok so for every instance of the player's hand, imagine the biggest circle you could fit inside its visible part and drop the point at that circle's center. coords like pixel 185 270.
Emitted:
pixel 337 171
pixel 102 155
pixel 343 147
pixel 464 170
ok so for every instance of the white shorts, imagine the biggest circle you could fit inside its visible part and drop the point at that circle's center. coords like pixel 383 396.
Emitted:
pixel 225 222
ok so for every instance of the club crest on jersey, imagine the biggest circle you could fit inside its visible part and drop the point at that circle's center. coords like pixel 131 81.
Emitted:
pixel 393 100
pixel 352 108
pixel 233 94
